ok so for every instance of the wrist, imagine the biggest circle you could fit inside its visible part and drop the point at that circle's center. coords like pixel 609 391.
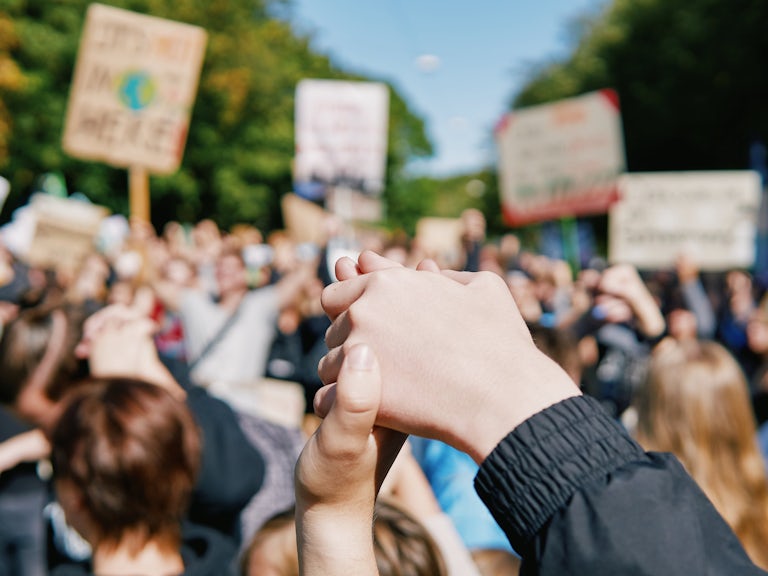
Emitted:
pixel 333 543
pixel 516 397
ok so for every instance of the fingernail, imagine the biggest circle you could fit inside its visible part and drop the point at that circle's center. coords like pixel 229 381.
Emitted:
pixel 360 357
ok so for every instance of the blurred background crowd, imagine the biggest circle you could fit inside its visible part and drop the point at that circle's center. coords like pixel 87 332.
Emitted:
pixel 230 322
pixel 158 370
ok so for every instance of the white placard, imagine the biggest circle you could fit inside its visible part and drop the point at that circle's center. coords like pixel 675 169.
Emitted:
pixel 341 135
pixel 133 89
pixel 560 159
pixel 710 216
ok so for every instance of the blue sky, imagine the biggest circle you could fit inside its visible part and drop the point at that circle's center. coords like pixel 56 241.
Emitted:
pixel 456 62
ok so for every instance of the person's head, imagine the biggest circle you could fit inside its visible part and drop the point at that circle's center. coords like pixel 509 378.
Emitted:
pixel 757 329
pixel 37 360
pixel 495 562
pixel 231 272
pixel 695 404
pixel 125 455
pixel 273 549
pixel 682 324
pixel 401 544
pixel 562 346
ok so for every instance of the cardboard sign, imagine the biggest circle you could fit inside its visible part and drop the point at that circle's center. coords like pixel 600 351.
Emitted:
pixel 64 231
pixel 351 205
pixel 133 89
pixel 560 159
pixel 440 239
pixel 710 216
pixel 304 220
pixel 341 136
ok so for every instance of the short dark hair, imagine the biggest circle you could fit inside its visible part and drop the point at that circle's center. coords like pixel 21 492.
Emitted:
pixel 26 340
pixel 133 451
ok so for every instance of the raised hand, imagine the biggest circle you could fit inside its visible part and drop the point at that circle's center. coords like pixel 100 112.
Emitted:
pixel 457 361
pixel 340 471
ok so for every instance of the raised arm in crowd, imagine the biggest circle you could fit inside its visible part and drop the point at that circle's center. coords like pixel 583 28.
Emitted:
pixel 447 355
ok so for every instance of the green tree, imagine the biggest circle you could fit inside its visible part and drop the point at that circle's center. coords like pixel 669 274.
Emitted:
pixel 11 80
pixel 237 160
pixel 689 74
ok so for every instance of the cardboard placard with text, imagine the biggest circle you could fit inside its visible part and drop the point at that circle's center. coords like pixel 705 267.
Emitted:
pixel 64 231
pixel 709 216
pixel 133 89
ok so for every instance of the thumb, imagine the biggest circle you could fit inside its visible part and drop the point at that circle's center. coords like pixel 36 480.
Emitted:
pixel 347 427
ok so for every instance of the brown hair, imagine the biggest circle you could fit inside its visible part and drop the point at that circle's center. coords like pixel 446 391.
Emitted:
pixel 402 545
pixel 273 550
pixel 132 451
pixel 37 332
pixel 561 345
pixel 496 562
pixel 695 404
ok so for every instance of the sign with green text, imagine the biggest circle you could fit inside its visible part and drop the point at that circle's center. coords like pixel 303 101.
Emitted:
pixel 560 159
pixel 133 89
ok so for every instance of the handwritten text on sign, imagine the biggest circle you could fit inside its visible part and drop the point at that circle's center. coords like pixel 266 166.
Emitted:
pixel 133 89
pixel 341 134
pixel 560 159
pixel 710 216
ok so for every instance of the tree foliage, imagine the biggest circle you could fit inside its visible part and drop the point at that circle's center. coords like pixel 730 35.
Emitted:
pixel 237 160
pixel 689 73
pixel 11 80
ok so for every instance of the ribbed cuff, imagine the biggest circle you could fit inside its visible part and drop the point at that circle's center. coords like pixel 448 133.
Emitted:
pixel 540 464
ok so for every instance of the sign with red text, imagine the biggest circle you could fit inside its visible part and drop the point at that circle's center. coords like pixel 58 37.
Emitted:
pixel 709 216
pixel 133 89
pixel 559 160
pixel 341 136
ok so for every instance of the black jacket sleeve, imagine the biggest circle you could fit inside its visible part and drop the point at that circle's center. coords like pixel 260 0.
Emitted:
pixel 576 495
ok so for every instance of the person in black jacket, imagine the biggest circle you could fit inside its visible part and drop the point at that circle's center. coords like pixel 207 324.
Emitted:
pixel 447 355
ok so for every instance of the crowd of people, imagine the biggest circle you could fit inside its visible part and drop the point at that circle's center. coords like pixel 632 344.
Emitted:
pixel 161 409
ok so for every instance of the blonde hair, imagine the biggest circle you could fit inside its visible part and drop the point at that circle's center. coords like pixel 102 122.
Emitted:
pixel 695 404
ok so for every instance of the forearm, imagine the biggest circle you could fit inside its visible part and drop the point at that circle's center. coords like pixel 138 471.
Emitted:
pixel 26 447
pixel 698 302
pixel 333 543
pixel 650 322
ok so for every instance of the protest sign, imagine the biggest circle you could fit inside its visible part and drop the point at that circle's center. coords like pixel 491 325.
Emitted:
pixel 440 239
pixel 351 205
pixel 709 216
pixel 561 159
pixel 341 136
pixel 304 220
pixel 64 231
pixel 133 89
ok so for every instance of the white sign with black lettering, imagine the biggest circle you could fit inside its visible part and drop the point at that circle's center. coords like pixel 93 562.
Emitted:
pixel 710 216
pixel 341 135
